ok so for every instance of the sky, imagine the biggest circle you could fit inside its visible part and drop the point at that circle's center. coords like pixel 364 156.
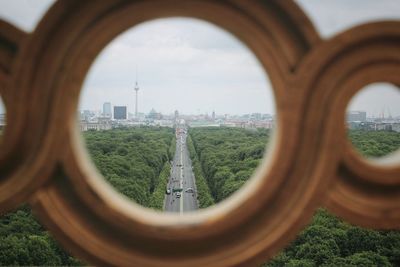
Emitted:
pixel 378 99
pixel 196 67
pixel 182 64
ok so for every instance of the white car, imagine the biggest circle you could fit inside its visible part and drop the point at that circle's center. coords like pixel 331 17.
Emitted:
pixel 178 194
pixel 189 190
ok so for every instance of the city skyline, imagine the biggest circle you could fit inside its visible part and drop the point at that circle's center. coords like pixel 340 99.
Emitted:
pixel 100 111
pixel 380 113
pixel 377 100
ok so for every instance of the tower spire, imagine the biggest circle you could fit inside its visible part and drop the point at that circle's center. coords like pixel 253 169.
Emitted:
pixel 136 94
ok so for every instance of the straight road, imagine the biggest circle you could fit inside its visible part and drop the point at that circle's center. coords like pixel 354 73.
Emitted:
pixel 181 177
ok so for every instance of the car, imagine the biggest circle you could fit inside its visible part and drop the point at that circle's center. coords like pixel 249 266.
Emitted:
pixel 189 190
pixel 178 194
pixel 168 191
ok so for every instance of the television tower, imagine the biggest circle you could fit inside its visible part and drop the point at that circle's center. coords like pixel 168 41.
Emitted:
pixel 136 99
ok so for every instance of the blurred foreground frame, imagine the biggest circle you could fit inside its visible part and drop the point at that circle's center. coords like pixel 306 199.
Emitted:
pixel 310 164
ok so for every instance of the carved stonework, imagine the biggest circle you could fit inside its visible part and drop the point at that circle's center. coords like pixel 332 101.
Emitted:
pixel 310 164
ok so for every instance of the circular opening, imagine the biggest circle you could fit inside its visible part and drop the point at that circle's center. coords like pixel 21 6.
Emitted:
pixel 176 114
pixel 373 121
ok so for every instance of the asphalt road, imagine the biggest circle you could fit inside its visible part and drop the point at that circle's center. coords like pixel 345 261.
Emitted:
pixel 181 177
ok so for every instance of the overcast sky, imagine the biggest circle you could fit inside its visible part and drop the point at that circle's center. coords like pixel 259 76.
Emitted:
pixel 195 67
pixel 182 64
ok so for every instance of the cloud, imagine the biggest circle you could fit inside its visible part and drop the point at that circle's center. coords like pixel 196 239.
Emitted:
pixel 183 64
pixel 333 16
pixel 377 99
pixel 25 14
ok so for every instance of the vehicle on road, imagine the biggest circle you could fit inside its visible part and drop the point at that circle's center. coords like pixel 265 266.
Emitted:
pixel 178 194
pixel 189 190
pixel 168 191
pixel 177 189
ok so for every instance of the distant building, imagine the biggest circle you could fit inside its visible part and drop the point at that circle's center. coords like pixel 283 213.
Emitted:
pixel 396 127
pixel 267 117
pixel 107 109
pixel 261 124
pixel 256 116
pixel 153 114
pixel 95 126
pixel 374 126
pixel 120 113
pixel 86 115
pixel 2 121
pixel 383 127
pixel 203 123
pixel 356 116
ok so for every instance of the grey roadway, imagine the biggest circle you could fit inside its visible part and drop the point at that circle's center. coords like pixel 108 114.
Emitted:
pixel 181 177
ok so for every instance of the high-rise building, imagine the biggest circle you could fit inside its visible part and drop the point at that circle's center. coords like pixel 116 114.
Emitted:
pixel 120 112
pixel 356 116
pixel 86 115
pixel 107 109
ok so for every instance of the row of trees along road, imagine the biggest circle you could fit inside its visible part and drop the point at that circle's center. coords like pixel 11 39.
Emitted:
pixel 135 161
pixel 228 156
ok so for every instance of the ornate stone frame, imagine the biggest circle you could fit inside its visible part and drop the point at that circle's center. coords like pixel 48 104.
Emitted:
pixel 310 164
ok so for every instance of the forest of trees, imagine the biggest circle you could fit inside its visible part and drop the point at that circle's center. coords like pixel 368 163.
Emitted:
pixel 23 241
pixel 228 156
pixel 136 162
pixel 375 143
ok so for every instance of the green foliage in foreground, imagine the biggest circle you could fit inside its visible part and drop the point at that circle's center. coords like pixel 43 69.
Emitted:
pixel 23 241
pixel 135 161
pixel 230 155
pixel 328 241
